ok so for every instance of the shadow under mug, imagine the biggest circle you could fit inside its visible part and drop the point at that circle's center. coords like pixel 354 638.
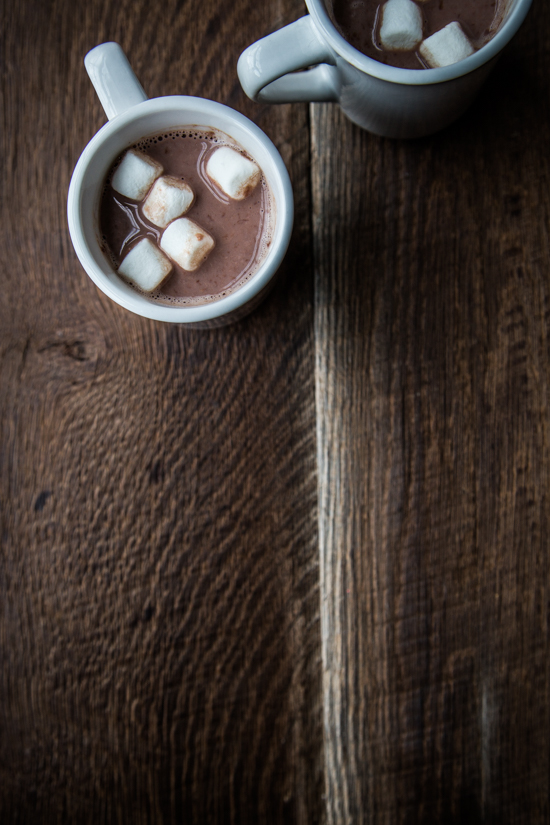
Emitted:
pixel 131 118
pixel 385 100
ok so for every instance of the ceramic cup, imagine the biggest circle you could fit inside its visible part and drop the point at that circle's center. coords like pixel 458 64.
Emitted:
pixel 132 117
pixel 399 103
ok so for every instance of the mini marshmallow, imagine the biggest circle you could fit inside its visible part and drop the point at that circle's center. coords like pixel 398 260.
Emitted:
pixel 145 266
pixel 168 199
pixel 135 175
pixel 445 47
pixel 401 29
pixel 234 173
pixel 186 243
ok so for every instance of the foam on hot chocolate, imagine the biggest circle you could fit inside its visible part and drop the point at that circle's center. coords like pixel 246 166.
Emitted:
pixel 242 230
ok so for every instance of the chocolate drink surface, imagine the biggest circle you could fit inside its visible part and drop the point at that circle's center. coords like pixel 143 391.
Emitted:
pixel 359 22
pixel 241 229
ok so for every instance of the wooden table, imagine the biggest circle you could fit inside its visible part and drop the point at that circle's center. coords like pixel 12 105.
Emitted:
pixel 295 570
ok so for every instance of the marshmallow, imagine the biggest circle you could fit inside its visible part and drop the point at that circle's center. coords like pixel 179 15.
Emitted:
pixel 168 199
pixel 186 243
pixel 234 173
pixel 401 29
pixel 447 46
pixel 135 175
pixel 145 266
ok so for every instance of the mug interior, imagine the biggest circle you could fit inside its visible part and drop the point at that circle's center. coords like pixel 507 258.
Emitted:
pixel 145 120
pixel 512 16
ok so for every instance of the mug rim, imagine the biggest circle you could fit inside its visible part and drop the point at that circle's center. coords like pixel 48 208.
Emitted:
pixel 114 287
pixel 417 77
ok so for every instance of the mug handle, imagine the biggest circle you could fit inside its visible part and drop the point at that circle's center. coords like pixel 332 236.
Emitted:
pixel 268 69
pixel 113 79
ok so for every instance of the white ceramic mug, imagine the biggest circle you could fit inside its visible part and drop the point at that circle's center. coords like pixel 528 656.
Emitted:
pixel 132 117
pixel 401 103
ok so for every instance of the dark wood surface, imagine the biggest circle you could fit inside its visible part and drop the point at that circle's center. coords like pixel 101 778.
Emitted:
pixel 295 570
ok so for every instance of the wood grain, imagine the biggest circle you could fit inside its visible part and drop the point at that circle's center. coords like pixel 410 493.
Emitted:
pixel 159 630
pixel 295 570
pixel 432 341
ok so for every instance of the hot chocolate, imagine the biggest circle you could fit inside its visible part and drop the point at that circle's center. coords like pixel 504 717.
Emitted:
pixel 238 227
pixel 360 22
